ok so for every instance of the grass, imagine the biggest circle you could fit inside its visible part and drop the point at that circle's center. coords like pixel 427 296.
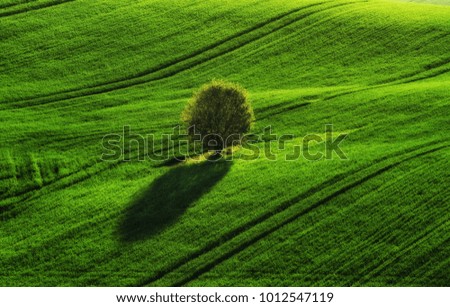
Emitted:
pixel 74 71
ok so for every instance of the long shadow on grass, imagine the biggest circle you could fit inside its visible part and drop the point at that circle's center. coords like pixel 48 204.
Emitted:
pixel 168 197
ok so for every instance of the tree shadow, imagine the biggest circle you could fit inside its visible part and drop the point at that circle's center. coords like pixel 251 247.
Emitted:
pixel 168 197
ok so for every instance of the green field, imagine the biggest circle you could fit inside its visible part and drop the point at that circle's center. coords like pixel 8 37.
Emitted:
pixel 73 71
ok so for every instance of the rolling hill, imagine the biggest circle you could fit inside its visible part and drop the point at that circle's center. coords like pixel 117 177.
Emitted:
pixel 74 71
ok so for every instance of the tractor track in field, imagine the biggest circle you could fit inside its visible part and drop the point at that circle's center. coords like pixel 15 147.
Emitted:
pixel 283 207
pixel 144 76
pixel 291 219
pixel 281 110
pixel 176 61
pixel 9 5
pixel 426 67
pixel 33 8
pixel 405 247
pixel 379 236
pixel 375 270
pixel 378 86
pixel 434 73
pixel 80 175
pixel 436 251
pixel 432 70
pixel 436 65
pixel 187 62
pixel 29 193
pixel 305 211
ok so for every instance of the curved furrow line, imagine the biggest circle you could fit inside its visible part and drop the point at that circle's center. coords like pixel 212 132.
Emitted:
pixel 57 96
pixel 177 60
pixel 87 171
pixel 27 194
pixel 434 70
pixel 384 233
pixel 34 8
pixel 426 67
pixel 291 107
pixel 190 61
pixel 434 73
pixel 277 210
pixel 424 237
pixel 379 236
pixel 8 5
pixel 410 243
pixel 67 234
pixel 398 82
pixel 436 251
pixel 234 251
pixel 74 93
pixel 430 70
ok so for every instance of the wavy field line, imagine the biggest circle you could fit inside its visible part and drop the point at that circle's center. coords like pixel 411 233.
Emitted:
pixel 34 8
pixel 433 71
pixel 423 237
pixel 187 62
pixel 75 92
pixel 80 175
pixel 379 236
pixel 27 194
pixel 279 209
pixel 280 110
pixel 22 2
pixel 407 245
pixel 428 67
pixel 291 219
pixel 435 252
pixel 66 234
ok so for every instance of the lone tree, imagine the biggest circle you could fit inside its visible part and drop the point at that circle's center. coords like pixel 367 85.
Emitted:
pixel 218 115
